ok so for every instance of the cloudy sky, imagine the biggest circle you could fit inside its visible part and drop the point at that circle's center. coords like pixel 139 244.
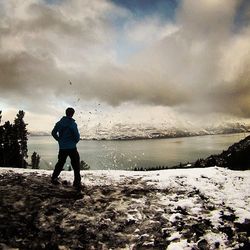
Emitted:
pixel 129 61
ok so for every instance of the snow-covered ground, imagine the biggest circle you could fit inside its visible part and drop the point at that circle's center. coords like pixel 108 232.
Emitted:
pixel 178 208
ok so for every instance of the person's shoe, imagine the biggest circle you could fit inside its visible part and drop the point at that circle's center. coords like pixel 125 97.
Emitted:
pixel 55 181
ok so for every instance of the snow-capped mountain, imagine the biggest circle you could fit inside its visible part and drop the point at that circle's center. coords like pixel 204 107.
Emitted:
pixel 146 131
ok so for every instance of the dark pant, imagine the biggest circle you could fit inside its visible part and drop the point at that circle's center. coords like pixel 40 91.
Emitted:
pixel 75 162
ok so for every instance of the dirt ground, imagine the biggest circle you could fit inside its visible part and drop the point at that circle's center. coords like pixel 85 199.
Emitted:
pixel 35 214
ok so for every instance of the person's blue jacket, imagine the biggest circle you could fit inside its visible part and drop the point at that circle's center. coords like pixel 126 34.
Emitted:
pixel 66 133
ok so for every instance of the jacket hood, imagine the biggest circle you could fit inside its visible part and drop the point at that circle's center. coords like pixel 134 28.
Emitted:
pixel 66 120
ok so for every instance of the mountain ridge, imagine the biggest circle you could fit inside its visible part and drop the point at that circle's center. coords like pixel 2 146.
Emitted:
pixel 145 131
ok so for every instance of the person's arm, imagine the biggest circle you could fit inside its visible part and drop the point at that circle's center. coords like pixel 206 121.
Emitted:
pixel 76 133
pixel 54 132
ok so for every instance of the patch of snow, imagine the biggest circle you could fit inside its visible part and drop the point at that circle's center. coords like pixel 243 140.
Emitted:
pixel 214 217
pixel 174 236
pixel 179 245
pixel 174 217
pixel 214 238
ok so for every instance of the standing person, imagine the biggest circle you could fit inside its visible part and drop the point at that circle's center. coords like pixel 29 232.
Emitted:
pixel 67 135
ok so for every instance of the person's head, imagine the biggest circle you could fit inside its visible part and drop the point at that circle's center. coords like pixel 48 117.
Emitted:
pixel 70 112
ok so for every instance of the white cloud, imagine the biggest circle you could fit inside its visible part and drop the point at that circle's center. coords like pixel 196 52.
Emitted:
pixel 149 30
pixel 196 64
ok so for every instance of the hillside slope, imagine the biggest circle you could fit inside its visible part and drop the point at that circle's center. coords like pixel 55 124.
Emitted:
pixel 236 157
pixel 169 209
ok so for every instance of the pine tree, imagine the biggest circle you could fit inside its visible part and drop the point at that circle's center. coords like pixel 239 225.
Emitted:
pixel 84 165
pixel 7 144
pixel 13 142
pixel 35 160
pixel 20 133
pixel 1 140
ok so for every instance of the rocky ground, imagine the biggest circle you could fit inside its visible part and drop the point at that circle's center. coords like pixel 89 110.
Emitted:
pixel 132 213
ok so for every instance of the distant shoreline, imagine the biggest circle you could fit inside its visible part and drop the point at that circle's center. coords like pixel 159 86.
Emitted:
pixel 141 138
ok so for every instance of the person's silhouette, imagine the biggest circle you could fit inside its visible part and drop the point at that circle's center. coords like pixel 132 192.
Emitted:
pixel 67 135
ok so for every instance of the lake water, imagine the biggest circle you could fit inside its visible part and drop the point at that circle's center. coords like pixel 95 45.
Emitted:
pixel 137 153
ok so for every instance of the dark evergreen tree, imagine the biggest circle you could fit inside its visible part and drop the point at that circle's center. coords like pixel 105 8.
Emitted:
pixel 7 144
pixel 1 140
pixel 84 165
pixel 35 160
pixel 21 133
pixel 13 142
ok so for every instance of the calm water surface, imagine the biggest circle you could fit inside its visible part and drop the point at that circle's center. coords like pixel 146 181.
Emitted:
pixel 139 153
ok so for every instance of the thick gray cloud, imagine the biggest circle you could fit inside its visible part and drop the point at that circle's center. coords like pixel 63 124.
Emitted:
pixel 199 63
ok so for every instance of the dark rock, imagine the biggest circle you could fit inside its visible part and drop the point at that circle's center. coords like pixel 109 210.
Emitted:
pixel 198 229
pixel 246 246
pixel 103 226
pixel 182 210
pixel 230 217
pixel 242 237
pixel 179 225
pixel 217 244
pixel 228 231
pixel 65 183
pixel 51 211
pixel 244 227
pixel 52 246
pixel 187 233
pixel 203 245
pixel 160 243
pixel 130 222
pixel 165 233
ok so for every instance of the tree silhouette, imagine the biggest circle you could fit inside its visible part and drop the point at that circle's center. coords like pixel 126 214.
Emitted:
pixel 1 142
pixel 21 133
pixel 84 165
pixel 35 160
pixel 13 142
